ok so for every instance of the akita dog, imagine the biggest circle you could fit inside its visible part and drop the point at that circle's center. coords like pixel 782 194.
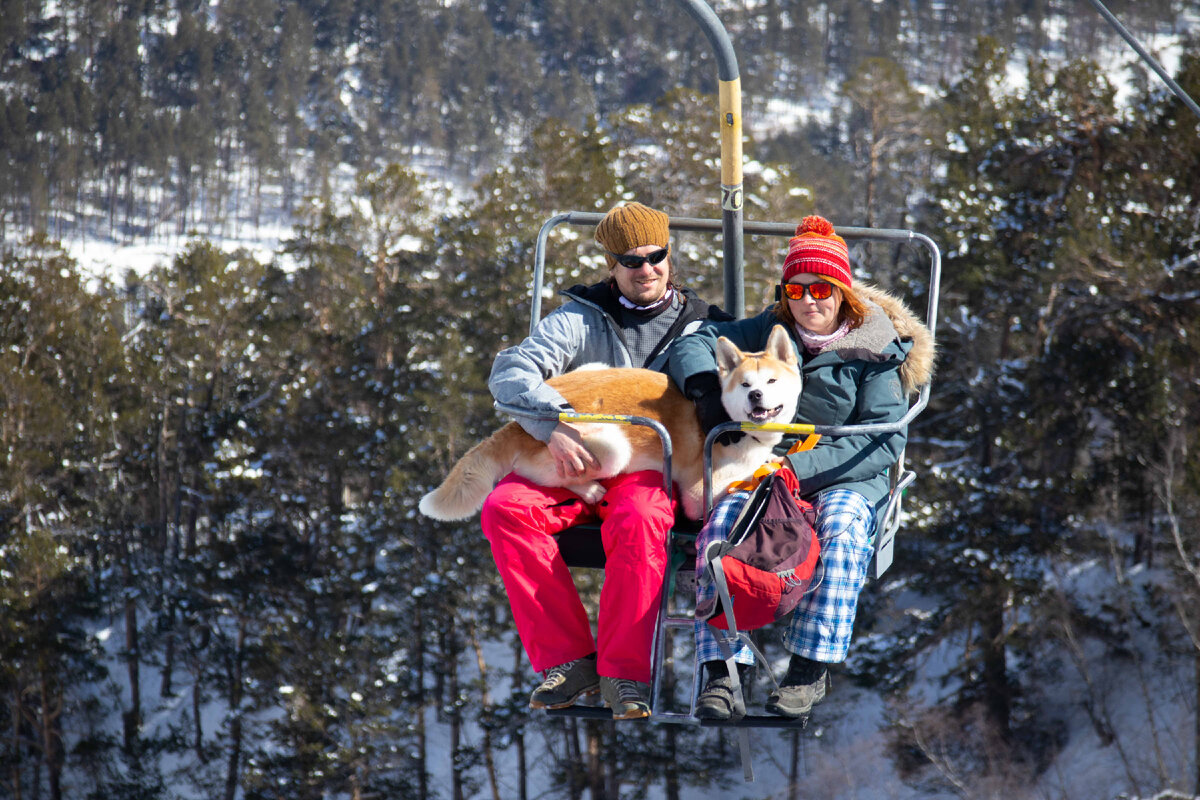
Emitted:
pixel 755 387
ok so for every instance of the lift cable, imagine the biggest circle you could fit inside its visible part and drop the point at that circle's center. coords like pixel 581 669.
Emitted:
pixel 1149 59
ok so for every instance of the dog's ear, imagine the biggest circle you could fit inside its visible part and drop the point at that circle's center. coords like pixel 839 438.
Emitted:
pixel 779 345
pixel 728 357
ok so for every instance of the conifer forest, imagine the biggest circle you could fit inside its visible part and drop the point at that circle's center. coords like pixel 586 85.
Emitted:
pixel 214 582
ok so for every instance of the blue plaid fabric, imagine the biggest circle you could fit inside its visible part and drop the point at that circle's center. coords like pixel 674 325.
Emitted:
pixel 822 624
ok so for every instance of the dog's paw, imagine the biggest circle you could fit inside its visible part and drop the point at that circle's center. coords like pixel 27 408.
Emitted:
pixel 590 492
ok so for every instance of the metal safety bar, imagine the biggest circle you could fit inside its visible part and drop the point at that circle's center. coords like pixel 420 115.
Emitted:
pixel 667 619
pixel 614 419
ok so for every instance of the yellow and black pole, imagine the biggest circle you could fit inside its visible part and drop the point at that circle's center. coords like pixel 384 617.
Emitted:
pixel 730 99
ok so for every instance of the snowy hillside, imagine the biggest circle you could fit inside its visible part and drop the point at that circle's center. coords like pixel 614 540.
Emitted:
pixel 226 457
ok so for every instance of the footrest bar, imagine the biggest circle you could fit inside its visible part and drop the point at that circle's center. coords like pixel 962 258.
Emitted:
pixel 757 721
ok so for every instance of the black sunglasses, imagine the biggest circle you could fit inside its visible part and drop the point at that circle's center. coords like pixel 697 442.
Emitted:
pixel 635 262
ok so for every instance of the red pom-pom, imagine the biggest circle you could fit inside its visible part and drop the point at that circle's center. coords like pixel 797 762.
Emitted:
pixel 815 224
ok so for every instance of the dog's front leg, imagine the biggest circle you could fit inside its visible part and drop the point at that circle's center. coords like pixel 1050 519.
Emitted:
pixel 591 491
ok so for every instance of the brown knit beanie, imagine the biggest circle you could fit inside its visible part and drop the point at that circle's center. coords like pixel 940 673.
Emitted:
pixel 629 226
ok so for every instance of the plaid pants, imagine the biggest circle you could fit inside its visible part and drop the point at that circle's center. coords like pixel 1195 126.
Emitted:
pixel 822 624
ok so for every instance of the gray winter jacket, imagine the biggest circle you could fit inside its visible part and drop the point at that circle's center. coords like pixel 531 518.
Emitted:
pixel 584 330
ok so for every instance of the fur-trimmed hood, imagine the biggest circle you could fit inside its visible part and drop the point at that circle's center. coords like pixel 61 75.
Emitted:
pixel 917 368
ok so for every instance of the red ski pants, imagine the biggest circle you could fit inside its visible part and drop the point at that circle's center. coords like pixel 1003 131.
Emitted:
pixel 635 515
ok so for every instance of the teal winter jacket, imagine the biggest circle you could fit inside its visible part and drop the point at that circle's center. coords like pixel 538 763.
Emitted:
pixel 863 378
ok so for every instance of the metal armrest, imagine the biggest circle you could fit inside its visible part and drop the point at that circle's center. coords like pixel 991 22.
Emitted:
pixel 887 521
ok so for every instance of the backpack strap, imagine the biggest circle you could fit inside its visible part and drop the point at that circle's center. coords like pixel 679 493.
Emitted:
pixel 739 700
pixel 724 641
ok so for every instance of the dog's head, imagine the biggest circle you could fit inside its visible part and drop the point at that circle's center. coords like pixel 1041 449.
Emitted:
pixel 760 387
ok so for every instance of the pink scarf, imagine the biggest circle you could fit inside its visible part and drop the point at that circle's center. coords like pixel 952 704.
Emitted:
pixel 815 342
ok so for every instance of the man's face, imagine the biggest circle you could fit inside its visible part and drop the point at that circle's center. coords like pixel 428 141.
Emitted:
pixel 647 282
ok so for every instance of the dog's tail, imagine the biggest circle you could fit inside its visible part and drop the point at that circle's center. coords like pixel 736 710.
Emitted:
pixel 474 476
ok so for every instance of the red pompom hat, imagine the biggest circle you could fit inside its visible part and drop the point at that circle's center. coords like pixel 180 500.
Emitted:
pixel 816 248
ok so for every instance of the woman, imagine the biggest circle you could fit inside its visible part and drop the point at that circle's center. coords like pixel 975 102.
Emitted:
pixel 861 353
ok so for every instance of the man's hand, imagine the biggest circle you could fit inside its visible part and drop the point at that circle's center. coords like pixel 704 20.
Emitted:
pixel 571 457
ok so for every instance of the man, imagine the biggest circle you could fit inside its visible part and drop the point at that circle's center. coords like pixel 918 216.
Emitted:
pixel 625 321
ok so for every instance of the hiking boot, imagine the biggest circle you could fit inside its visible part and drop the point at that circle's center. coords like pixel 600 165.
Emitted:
pixel 716 701
pixel 796 700
pixel 626 698
pixel 566 683
pixel 801 688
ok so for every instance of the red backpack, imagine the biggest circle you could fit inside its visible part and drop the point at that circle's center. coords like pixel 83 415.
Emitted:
pixel 767 564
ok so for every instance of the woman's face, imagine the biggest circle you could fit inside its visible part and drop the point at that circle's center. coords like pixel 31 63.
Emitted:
pixel 817 316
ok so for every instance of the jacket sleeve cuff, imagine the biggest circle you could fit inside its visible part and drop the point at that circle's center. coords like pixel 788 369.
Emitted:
pixel 539 429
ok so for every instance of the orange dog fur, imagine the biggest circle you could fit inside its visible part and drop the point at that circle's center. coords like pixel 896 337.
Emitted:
pixel 757 387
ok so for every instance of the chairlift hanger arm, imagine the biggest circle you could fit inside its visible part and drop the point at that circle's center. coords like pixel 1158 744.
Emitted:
pixel 729 90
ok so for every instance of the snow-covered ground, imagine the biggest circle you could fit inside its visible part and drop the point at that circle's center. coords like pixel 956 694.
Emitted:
pixel 106 257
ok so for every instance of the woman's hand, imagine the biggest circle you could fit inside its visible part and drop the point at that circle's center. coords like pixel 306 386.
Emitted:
pixel 571 458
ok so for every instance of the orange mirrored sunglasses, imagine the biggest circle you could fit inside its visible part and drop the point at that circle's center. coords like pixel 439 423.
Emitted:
pixel 817 290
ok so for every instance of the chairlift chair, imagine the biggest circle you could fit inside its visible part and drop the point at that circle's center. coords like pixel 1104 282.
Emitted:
pixel 580 546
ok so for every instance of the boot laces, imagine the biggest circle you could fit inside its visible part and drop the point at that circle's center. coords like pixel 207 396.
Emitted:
pixel 556 675
pixel 627 690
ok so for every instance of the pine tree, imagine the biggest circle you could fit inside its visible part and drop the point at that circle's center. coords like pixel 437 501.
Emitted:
pixel 54 334
pixel 1004 245
pixel 888 135
pixel 119 119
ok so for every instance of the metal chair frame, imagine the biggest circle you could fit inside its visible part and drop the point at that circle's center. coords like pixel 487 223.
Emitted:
pixel 887 521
